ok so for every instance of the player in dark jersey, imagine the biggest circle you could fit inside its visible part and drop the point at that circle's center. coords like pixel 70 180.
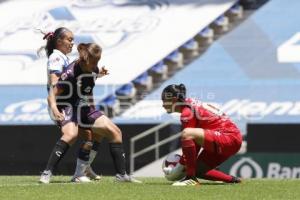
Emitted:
pixel 73 105
pixel 59 44
pixel 203 125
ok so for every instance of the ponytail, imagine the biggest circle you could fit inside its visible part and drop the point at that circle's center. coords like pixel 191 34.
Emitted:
pixel 52 38
pixel 182 91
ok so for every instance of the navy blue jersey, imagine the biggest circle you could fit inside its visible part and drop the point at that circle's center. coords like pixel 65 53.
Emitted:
pixel 77 85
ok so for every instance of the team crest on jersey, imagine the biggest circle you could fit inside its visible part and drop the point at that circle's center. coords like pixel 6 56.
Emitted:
pixel 54 61
pixel 217 133
pixel 64 76
pixel 87 89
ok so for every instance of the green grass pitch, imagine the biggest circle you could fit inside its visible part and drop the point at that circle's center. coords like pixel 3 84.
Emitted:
pixel 26 187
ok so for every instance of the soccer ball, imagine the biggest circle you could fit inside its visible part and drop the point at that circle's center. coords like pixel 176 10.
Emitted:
pixel 175 171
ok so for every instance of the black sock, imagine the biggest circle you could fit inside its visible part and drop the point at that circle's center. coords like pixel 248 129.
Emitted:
pixel 84 154
pixel 57 154
pixel 118 155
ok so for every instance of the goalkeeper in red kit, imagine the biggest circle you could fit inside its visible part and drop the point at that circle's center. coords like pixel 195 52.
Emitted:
pixel 206 127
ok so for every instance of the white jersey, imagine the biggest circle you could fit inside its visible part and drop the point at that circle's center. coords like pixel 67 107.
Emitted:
pixel 56 63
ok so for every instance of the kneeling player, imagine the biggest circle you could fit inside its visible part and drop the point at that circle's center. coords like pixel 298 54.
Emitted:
pixel 203 126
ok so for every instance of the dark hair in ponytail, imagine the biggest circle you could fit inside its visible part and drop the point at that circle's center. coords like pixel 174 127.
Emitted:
pixel 178 91
pixel 52 38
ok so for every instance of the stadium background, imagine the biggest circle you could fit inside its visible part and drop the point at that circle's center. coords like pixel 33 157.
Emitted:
pixel 240 55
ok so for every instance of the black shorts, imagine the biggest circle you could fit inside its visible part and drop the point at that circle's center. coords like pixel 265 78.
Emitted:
pixel 84 116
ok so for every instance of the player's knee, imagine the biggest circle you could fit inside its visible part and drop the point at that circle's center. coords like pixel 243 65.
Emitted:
pixel 115 134
pixel 69 138
pixel 187 134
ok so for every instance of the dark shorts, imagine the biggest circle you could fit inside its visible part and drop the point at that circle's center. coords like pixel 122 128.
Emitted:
pixel 85 116
pixel 218 147
pixel 88 116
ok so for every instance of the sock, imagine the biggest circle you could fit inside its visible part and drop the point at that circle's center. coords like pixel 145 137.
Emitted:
pixel 216 175
pixel 189 152
pixel 81 166
pixel 182 158
pixel 118 155
pixel 83 158
pixel 57 154
pixel 84 151
pixel 94 152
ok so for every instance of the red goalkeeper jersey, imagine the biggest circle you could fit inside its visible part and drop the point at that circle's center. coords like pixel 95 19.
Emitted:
pixel 196 114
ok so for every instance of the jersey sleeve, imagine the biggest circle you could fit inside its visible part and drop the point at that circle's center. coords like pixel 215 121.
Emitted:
pixel 66 81
pixel 188 118
pixel 55 64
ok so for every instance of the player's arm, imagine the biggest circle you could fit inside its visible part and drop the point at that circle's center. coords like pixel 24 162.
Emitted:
pixel 53 79
pixel 188 118
pixel 53 93
pixel 63 84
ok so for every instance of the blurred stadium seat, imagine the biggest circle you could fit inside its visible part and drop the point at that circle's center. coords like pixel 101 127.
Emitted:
pixel 190 49
pixel 235 13
pixel 110 106
pixel 159 72
pixel 205 37
pixel 174 61
pixel 220 25
pixel 143 84
pixel 126 92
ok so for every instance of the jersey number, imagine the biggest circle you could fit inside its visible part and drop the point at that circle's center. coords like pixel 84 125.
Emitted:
pixel 212 109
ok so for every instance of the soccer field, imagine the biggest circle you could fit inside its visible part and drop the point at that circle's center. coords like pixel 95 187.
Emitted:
pixel 26 187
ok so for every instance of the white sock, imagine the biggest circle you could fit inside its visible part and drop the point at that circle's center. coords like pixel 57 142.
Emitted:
pixel 93 154
pixel 80 167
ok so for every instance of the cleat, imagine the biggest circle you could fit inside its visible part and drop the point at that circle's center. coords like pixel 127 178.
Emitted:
pixel 126 178
pixel 45 177
pixel 188 181
pixel 89 172
pixel 236 180
pixel 80 179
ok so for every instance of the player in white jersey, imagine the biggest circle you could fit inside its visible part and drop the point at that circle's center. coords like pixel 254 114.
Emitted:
pixel 59 44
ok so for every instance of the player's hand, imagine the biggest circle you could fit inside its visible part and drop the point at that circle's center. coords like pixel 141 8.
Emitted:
pixel 103 72
pixel 58 116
